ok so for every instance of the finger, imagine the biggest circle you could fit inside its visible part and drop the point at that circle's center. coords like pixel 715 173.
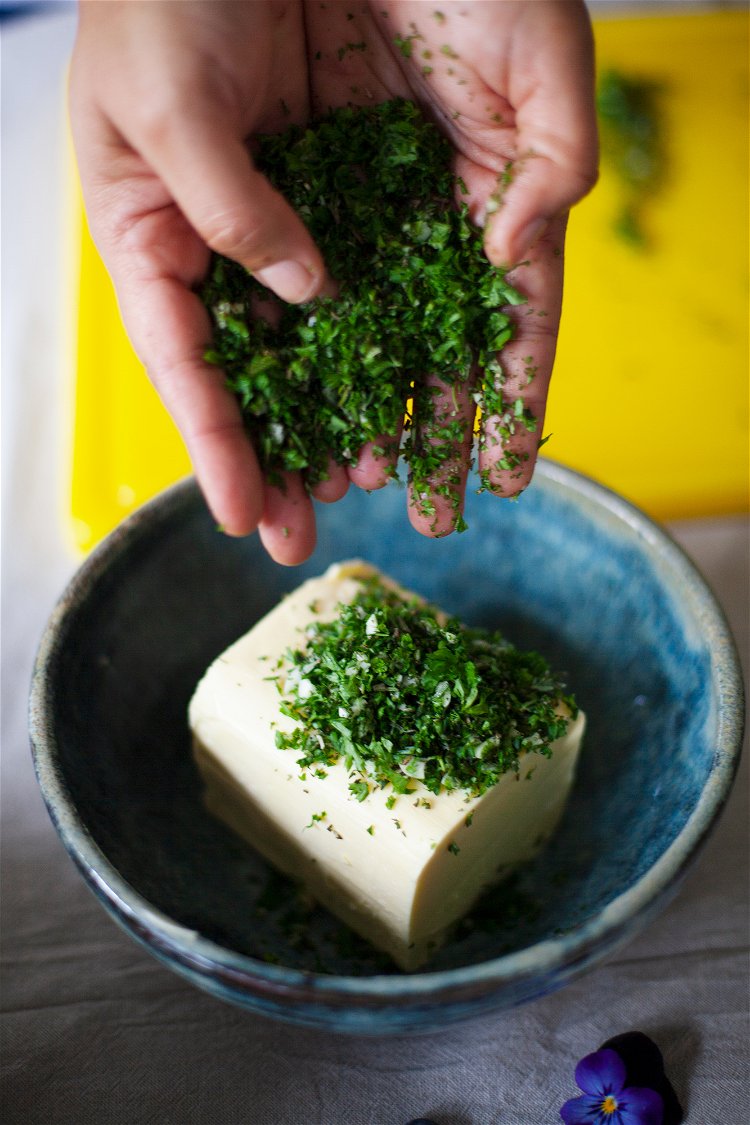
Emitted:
pixel 210 174
pixel 556 136
pixel 510 436
pixel 334 487
pixel 376 464
pixel 170 328
pixel 441 438
pixel 287 529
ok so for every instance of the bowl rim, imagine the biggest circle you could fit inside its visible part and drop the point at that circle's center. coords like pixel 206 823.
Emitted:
pixel 549 956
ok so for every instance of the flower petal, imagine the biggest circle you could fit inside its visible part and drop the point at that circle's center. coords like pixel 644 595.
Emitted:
pixel 644 1066
pixel 601 1073
pixel 640 1106
pixel 581 1111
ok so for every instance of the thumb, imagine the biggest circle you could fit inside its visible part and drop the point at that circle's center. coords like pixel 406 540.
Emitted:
pixel 211 176
pixel 557 155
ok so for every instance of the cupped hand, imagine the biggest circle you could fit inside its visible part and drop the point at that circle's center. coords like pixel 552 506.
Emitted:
pixel 164 97
pixel 511 84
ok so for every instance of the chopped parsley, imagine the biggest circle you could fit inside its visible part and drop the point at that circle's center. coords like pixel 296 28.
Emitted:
pixel 404 45
pixel 417 296
pixel 632 141
pixel 404 697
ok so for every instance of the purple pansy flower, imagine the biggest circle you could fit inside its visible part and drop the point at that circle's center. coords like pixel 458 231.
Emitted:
pixel 606 1100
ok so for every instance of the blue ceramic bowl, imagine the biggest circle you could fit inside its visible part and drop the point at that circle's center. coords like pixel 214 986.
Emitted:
pixel 571 569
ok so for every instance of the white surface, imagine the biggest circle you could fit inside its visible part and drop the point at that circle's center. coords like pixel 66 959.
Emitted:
pixel 96 1031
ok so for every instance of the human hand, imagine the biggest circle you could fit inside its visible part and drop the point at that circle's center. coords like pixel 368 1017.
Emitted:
pixel 511 84
pixel 163 97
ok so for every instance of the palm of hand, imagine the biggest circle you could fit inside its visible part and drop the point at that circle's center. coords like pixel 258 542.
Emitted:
pixel 390 49
pixel 368 53
pixel 164 98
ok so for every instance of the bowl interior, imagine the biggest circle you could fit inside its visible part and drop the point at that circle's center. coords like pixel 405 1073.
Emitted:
pixel 560 571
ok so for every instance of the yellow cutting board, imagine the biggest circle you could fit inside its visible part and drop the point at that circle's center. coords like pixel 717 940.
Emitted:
pixel 650 392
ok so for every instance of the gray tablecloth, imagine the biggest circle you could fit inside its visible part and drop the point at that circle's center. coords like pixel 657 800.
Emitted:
pixel 94 1030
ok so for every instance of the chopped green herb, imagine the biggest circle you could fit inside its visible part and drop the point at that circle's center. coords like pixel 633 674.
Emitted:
pixel 417 294
pixel 453 848
pixel 632 142
pixel 404 45
pixel 317 818
pixel 404 697
pixel 371 830
pixel 351 47
pixel 359 789
pixel 504 180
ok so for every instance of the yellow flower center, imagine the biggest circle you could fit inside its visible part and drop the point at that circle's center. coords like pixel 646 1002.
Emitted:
pixel 609 1105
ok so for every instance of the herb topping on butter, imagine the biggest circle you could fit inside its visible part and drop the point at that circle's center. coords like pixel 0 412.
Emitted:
pixel 402 694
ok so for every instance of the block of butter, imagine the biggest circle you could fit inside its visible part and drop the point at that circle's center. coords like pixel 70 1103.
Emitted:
pixel 398 869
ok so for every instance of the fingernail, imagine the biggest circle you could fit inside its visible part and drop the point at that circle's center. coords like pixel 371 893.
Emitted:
pixel 530 234
pixel 289 280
